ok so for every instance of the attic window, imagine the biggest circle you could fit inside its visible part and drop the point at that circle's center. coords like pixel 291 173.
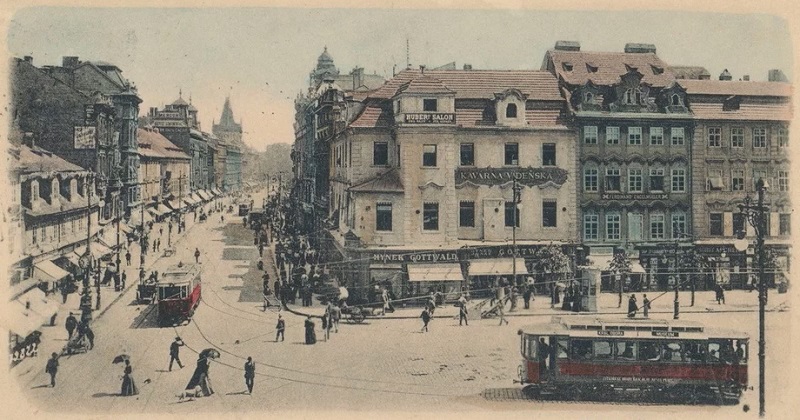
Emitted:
pixel 676 100
pixel 591 68
pixel 511 111
pixel 429 105
pixel 588 97
pixel 567 66
pixel 731 104
pixel 656 69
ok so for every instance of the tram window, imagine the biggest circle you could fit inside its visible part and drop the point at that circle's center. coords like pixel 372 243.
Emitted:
pixel 671 352
pixel 561 349
pixel 603 350
pixel 727 353
pixel 581 349
pixel 170 292
pixel 740 355
pixel 184 292
pixel 626 350
pixel 649 351
pixel 531 347
pixel 714 352
pixel 695 351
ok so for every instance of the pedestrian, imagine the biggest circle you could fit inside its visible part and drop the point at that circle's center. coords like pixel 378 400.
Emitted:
pixel 280 328
pixel 174 352
pixel 128 385
pixel 462 311
pixel 501 312
pixel 426 318
pixel 123 278
pixel 261 250
pixel 52 368
pixel 249 374
pixel 158 244
pixel 645 306
pixel 311 335
pixel 526 296
pixel 161 231
pixel 632 308
pixel 197 255
pixel 128 257
pixel 89 334
pixel 336 315
pixel 70 323
pixel 385 299
pixel 200 377
pixel 513 298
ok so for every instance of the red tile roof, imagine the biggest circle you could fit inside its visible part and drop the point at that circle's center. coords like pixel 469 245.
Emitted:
pixel 609 67
pixel 424 85
pixel 154 144
pixel 746 111
pixel 374 116
pixel 480 84
pixel 721 87
pixel 36 159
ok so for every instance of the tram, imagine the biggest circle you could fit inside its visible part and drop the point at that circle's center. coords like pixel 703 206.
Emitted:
pixel 178 293
pixel 577 356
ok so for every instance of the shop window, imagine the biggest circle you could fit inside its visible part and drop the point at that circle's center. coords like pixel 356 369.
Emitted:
pixel 591 226
pixel 634 180
pixel 715 224
pixel 511 111
pixel 549 154
pixel 380 153
pixel 785 224
pixel 383 216
pixel 511 216
pixel 612 135
pixel 466 214
pixel 512 153
pixel 430 216
pixel 678 136
pixel 429 155
pixel 613 226
pixel 549 214
pixel 612 180
pixel 467 154
pixel 430 105
pixel 590 134
pixel 590 176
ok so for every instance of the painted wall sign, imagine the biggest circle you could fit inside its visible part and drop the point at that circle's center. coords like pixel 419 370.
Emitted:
pixel 496 176
pixel 623 196
pixel 85 137
pixel 453 256
pixel 430 118
pixel 416 257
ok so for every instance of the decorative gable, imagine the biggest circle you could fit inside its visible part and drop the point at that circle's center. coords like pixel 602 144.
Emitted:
pixel 510 107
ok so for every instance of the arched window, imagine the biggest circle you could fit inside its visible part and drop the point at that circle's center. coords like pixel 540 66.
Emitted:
pixel 676 99
pixel 633 96
pixel 588 97
pixel 511 111
pixel 34 190
pixel 54 188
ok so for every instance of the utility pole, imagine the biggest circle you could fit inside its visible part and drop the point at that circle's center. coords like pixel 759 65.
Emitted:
pixel 755 214
pixel 86 260
pixel 516 198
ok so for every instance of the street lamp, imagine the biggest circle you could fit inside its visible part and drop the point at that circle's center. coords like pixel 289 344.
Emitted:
pixel 756 216
pixel 517 192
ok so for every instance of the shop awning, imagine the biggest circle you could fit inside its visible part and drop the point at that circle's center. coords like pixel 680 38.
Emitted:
pixel 637 268
pixel 217 191
pixel 125 228
pixel 204 195
pixel 600 262
pixel 196 197
pixel 37 301
pixel 47 271
pixel 22 322
pixel 163 209
pixel 496 266
pixel 154 212
pixel 435 272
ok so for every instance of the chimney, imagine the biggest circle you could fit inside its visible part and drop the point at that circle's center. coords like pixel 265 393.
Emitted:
pixel 634 48
pixel 70 62
pixel 746 78
pixel 422 69
pixel 568 46
pixel 467 66
pixel 28 59
pixel 776 75
pixel 153 111
pixel 725 75
pixel 27 139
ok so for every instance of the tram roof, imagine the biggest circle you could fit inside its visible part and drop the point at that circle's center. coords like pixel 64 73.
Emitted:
pixel 179 274
pixel 586 327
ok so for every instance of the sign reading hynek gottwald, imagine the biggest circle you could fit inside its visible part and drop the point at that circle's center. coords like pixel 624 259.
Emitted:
pixel 497 176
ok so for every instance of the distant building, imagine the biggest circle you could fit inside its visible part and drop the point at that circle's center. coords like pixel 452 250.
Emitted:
pixel 229 133
pixel 164 172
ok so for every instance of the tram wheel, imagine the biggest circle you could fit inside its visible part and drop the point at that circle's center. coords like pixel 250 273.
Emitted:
pixel 531 391
pixel 576 393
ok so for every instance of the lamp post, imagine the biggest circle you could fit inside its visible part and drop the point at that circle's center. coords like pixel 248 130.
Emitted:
pixel 517 192
pixel 755 215
pixel 85 261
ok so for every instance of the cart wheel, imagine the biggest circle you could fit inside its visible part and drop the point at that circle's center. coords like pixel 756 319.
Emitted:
pixel 358 317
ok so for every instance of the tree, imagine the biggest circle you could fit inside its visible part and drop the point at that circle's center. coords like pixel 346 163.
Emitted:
pixel 553 264
pixel 693 265
pixel 620 266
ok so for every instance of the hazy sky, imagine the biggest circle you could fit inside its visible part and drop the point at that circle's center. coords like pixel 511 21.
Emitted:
pixel 262 57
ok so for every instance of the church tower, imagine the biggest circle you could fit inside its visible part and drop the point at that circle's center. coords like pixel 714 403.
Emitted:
pixel 228 129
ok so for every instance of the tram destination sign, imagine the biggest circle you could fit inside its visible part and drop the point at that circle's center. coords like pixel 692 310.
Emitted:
pixel 616 333
pixel 665 334
pixel 624 196
pixel 529 176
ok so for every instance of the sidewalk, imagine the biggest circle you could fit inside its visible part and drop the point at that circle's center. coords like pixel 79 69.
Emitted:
pixel 705 302
pixel 53 339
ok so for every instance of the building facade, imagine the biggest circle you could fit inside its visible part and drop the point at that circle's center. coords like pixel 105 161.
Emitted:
pixel 742 135
pixel 635 134
pixel 423 179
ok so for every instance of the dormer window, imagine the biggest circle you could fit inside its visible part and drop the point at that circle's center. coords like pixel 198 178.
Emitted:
pixel 54 189
pixel 511 111
pixel 657 70
pixel 429 105
pixel 633 96
pixel 566 66
pixel 591 68
pixel 34 190
pixel 588 97
pixel 676 100
pixel 731 104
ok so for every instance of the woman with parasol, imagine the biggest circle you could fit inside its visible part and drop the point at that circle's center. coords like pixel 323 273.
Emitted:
pixel 128 385
pixel 200 376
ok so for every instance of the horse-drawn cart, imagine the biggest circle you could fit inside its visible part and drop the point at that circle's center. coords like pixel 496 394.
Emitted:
pixel 357 314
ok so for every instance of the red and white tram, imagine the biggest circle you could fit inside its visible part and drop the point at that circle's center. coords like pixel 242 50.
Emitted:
pixel 575 355
pixel 178 293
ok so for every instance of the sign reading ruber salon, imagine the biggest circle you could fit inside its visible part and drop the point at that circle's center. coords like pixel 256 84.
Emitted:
pixel 529 176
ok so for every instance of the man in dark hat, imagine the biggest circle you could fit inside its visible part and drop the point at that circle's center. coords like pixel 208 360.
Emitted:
pixel 280 327
pixel 52 368
pixel 174 352
pixel 249 374
pixel 70 323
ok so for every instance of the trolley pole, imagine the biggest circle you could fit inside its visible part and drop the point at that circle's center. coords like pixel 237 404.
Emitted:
pixel 755 214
